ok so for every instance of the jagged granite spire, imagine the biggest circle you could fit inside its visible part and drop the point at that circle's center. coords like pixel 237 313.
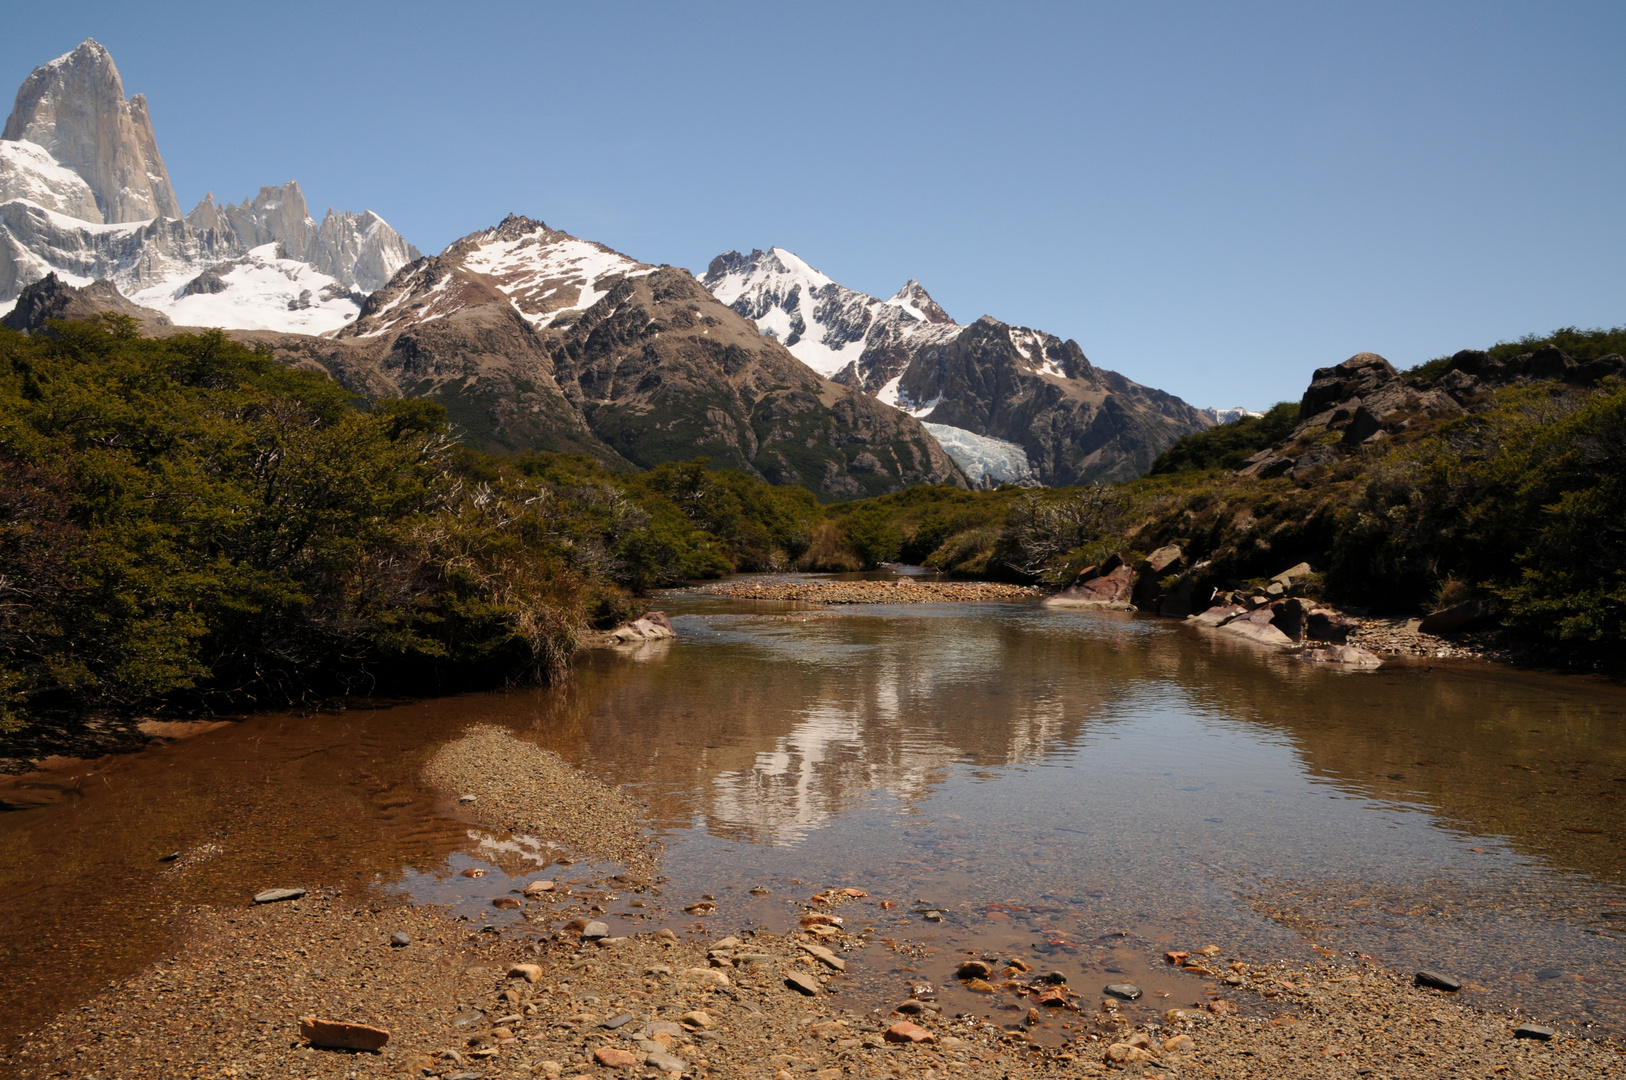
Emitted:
pixel 75 108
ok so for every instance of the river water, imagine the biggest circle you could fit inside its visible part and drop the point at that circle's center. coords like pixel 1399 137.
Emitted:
pixel 1084 790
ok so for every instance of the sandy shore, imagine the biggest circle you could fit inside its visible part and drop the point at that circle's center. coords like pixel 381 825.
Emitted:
pixel 710 1000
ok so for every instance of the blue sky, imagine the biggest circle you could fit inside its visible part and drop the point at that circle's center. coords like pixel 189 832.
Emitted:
pixel 1211 199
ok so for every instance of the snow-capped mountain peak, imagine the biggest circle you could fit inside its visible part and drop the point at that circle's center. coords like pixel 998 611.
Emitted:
pixel 838 332
pixel 544 273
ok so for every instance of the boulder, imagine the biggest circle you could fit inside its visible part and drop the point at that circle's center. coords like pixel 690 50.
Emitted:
pixel 1601 368
pixel 1469 615
pixel 1163 562
pixel 1324 624
pixel 1349 655
pixel 1177 603
pixel 1293 574
pixel 653 626
pixel 1266 465
pixel 1163 558
pixel 1111 591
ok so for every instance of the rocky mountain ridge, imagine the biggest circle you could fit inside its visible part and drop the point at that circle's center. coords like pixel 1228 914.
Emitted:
pixel 84 194
pixel 983 389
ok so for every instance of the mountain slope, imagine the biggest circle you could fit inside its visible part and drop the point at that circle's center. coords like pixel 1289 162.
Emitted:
pixel 533 337
pixel 983 388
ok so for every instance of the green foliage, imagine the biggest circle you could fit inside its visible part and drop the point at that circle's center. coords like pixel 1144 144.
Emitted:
pixel 1579 345
pixel 184 522
pixel 1227 446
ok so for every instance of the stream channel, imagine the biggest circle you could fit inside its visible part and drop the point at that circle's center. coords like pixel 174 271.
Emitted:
pixel 1082 789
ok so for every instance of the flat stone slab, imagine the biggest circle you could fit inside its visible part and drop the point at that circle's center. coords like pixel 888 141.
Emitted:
pixel 338 1035
pixel 1127 991
pixel 803 984
pixel 272 896
pixel 1533 1031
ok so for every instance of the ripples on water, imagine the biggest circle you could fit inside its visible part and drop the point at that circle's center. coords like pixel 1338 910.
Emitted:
pixel 1045 779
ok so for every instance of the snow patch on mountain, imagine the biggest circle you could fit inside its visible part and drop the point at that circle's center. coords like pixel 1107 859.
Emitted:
pixel 538 273
pixel 259 291
pixel 987 462
pixel 28 172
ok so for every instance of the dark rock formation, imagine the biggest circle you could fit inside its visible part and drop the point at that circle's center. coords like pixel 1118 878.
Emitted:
pixel 51 298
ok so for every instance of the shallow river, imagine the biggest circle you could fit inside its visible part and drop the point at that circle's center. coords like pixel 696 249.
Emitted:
pixel 1085 790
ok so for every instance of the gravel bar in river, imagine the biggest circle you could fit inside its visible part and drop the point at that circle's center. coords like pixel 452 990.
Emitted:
pixel 901 591
pixel 523 788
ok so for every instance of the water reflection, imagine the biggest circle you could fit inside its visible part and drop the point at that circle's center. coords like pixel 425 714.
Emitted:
pixel 1137 772
pixel 1046 780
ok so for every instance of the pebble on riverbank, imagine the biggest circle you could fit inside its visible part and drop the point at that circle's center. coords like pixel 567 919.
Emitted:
pixel 900 591
pixel 525 789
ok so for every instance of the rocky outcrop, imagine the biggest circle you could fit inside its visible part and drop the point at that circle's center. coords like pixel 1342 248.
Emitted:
pixel 1364 400
pixel 75 109
pixel 651 626
pixel 1354 403
pixel 50 299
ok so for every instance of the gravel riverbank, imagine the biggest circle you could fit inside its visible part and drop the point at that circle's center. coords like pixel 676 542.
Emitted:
pixel 566 989
pixel 458 1004
pixel 900 591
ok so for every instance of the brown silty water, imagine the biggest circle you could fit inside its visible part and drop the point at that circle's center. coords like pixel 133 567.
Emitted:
pixel 1079 791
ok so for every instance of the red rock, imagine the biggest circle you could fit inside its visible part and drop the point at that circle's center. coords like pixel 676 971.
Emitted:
pixel 1055 998
pixel 1176 957
pixel 340 1035
pixel 537 888
pixel 506 903
pixel 528 972
pixel 905 1032
pixel 615 1058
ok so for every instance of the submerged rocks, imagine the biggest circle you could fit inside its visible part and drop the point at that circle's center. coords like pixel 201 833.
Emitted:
pixel 1351 655
pixel 1438 981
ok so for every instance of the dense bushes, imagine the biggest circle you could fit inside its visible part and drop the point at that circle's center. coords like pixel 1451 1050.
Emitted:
pixel 185 522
